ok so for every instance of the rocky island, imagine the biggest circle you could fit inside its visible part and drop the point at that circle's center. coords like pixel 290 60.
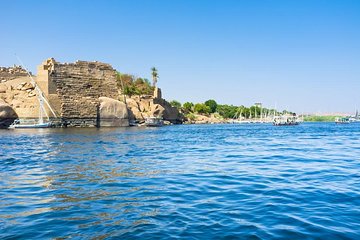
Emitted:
pixel 81 94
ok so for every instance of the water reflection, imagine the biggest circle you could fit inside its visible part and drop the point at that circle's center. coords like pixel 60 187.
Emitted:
pixel 81 179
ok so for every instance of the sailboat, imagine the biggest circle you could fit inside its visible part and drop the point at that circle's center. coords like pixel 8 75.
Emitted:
pixel 356 118
pixel 42 110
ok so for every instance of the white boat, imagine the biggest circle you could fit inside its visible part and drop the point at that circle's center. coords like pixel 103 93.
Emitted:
pixel 342 120
pixel 153 122
pixel 37 125
pixel 355 119
pixel 286 120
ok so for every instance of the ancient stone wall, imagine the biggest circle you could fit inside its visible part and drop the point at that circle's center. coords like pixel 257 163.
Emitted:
pixel 74 89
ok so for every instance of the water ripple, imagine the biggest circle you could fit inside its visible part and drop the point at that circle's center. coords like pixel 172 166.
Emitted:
pixel 190 182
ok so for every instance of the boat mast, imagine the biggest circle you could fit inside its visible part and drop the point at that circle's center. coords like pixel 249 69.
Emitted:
pixel 40 96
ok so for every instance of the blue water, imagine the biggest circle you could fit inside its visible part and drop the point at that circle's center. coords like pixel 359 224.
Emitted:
pixel 189 182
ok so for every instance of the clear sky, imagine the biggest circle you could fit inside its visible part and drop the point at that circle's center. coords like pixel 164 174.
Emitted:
pixel 301 55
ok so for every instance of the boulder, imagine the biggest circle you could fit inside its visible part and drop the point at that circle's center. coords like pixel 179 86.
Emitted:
pixel 20 86
pixel 27 87
pixel 201 119
pixel 7 115
pixel 31 94
pixel 148 106
pixel 134 110
pixel 157 110
pixel 112 113
pixel 143 106
pixel 135 114
pixel 171 113
pixel 3 88
pixel 131 103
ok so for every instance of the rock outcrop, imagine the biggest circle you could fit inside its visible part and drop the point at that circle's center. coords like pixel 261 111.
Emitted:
pixel 7 115
pixel 9 73
pixel 202 119
pixel 112 113
pixel 21 96
pixel 144 106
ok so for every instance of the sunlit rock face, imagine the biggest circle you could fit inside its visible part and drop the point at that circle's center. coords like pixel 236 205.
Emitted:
pixel 112 113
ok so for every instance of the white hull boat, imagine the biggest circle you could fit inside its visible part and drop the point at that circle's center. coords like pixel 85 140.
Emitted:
pixel 38 125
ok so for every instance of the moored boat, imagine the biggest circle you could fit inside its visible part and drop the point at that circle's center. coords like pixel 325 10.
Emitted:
pixel 153 122
pixel 342 120
pixel 356 118
pixel 36 125
pixel 285 120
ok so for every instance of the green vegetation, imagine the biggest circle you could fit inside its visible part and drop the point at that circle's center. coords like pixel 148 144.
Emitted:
pixel 155 75
pixel 227 111
pixel 202 108
pixel 190 116
pixel 131 85
pixel 212 104
pixel 176 104
pixel 319 118
pixel 188 107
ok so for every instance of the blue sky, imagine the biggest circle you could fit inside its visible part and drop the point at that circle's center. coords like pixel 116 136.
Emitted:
pixel 300 55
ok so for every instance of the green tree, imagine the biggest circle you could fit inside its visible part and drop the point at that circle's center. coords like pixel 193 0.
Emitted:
pixel 155 75
pixel 188 107
pixel 212 104
pixel 227 111
pixel 175 103
pixel 202 108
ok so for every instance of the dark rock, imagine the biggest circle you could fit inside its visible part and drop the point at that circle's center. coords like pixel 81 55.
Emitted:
pixel 7 115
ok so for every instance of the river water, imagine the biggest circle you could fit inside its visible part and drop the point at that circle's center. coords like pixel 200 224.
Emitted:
pixel 187 181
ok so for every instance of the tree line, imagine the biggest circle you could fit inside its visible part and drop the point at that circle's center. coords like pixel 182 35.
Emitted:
pixel 226 111
pixel 131 85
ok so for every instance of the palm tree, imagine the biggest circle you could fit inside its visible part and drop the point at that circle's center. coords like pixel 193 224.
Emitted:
pixel 155 75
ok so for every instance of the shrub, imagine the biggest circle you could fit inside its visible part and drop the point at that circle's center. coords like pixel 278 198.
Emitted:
pixel 227 111
pixel 188 106
pixel 212 105
pixel 202 108
pixel 133 86
pixel 190 117
pixel 175 103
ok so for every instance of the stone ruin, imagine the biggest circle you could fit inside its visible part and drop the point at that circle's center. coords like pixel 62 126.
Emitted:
pixel 74 89
pixel 82 94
